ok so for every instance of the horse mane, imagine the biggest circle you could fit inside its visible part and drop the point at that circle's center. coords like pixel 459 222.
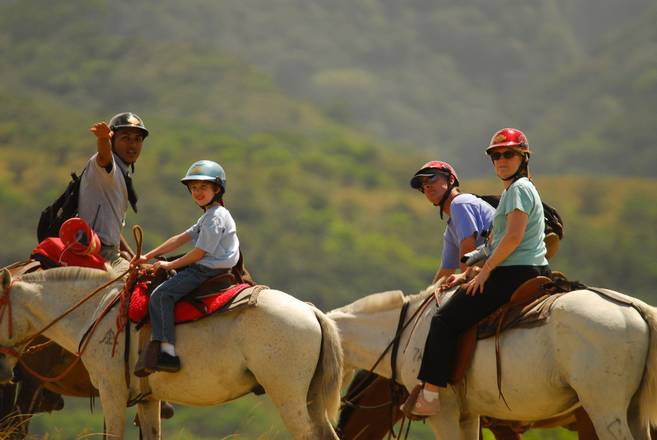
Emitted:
pixel 73 273
pixel 376 302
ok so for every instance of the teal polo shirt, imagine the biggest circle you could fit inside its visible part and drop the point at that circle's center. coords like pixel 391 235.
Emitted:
pixel 522 195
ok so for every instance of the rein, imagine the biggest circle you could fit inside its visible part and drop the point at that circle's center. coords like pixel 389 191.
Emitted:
pixel 394 345
pixel 5 303
pixel 17 354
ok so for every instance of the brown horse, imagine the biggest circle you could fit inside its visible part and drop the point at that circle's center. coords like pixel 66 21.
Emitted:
pixel 29 394
pixel 374 411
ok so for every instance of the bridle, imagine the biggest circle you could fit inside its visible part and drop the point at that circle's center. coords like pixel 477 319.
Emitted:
pixel 395 388
pixel 5 304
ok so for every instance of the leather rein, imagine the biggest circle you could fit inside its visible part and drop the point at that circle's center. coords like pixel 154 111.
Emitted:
pixel 5 304
pixel 402 324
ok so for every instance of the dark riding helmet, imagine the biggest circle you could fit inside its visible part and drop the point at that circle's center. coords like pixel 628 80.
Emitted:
pixel 128 120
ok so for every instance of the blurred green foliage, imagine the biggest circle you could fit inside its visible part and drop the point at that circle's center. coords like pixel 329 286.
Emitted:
pixel 321 112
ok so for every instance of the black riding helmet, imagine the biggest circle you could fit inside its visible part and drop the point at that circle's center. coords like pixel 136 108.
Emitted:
pixel 128 120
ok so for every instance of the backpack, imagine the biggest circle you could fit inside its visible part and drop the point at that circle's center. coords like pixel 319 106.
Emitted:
pixel 65 207
pixel 553 221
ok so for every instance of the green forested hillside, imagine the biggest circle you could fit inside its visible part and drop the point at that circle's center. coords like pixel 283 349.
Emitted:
pixel 606 119
pixel 320 112
pixel 441 76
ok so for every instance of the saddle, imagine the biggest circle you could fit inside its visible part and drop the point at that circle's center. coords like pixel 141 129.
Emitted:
pixel 529 306
pixel 221 293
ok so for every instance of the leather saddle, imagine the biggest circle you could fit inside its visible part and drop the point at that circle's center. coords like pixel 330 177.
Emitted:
pixel 506 316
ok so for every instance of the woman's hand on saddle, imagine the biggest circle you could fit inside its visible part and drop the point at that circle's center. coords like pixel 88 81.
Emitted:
pixel 456 279
pixel 476 284
pixel 451 281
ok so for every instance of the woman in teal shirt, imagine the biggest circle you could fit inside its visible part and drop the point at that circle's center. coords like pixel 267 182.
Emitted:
pixel 518 255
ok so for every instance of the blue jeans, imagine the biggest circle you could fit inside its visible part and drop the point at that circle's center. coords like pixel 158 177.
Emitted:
pixel 164 298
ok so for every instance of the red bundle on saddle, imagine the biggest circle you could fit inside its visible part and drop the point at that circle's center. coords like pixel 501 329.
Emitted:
pixel 77 245
pixel 185 311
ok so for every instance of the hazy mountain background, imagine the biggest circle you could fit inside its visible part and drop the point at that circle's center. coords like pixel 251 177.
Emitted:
pixel 321 111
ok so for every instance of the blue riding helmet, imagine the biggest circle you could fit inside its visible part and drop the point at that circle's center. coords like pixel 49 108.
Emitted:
pixel 206 170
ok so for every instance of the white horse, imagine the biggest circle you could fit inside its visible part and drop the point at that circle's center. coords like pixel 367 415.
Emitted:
pixel 591 352
pixel 289 347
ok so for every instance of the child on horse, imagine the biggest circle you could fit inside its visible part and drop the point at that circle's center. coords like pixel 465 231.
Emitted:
pixel 216 251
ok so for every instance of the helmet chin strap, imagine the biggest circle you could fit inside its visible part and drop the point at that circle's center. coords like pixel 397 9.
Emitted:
pixel 218 197
pixel 441 204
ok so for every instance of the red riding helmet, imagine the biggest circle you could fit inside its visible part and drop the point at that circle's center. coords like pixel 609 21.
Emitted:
pixel 509 137
pixel 425 171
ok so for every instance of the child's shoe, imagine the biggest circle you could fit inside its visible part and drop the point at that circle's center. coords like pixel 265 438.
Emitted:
pixel 168 363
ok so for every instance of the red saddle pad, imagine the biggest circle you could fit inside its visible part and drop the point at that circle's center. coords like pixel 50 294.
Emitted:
pixel 185 311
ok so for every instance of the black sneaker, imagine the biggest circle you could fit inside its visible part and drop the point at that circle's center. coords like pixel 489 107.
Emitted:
pixel 168 363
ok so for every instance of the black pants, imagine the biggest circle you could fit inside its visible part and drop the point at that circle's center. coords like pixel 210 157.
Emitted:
pixel 463 311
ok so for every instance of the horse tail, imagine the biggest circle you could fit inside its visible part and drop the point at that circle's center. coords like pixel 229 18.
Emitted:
pixel 647 392
pixel 324 391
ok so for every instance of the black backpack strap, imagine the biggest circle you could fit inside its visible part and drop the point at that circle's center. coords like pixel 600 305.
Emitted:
pixel 553 221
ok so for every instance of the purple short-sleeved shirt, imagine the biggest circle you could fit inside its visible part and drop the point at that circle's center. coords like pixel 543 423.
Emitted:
pixel 469 216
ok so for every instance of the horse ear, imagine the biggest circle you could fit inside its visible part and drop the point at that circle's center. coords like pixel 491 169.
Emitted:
pixel 6 279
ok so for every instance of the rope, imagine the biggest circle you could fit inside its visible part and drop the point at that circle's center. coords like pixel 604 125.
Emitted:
pixel 349 399
pixel 6 302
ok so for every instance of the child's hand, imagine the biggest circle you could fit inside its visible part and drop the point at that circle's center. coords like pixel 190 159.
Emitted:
pixel 138 260
pixel 101 130
pixel 166 265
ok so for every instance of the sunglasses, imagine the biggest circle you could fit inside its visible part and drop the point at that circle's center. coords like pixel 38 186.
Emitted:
pixel 496 155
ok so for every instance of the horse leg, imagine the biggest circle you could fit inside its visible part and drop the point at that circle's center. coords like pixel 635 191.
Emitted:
pixel 639 430
pixel 609 420
pixel 290 400
pixel 470 427
pixel 447 423
pixel 113 401
pixel 149 419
